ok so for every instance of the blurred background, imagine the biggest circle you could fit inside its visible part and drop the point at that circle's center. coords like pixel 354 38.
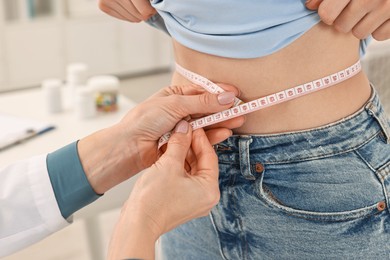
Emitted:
pixel 40 38
pixel 55 33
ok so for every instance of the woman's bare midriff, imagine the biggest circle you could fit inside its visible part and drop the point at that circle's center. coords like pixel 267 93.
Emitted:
pixel 319 52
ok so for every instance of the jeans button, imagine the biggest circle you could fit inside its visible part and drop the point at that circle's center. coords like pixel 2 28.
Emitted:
pixel 259 167
pixel 381 206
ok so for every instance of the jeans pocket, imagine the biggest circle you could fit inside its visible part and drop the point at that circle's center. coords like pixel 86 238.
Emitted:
pixel 337 188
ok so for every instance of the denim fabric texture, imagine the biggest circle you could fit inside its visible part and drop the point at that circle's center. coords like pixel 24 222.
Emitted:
pixel 321 193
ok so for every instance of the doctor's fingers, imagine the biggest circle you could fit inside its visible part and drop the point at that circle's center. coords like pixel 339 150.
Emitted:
pixel 206 103
pixel 192 89
pixel 215 136
pixel 206 158
pixel 201 159
pixel 178 146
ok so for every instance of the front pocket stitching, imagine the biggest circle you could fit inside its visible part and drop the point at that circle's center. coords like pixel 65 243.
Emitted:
pixel 378 172
pixel 365 161
pixel 319 216
pixel 325 155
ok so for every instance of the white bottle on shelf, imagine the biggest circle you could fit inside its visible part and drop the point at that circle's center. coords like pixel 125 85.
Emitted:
pixel 76 78
pixel 51 89
pixel 85 103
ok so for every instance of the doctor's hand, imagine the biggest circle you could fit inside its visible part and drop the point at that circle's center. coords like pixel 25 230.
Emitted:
pixel 167 195
pixel 130 146
pixel 361 17
pixel 128 10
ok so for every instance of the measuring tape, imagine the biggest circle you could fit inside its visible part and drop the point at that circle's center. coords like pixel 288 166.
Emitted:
pixel 240 108
pixel 203 82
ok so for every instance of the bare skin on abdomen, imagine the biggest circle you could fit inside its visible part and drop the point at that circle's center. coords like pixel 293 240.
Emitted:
pixel 319 52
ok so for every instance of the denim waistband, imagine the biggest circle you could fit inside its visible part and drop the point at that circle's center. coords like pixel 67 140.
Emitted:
pixel 335 138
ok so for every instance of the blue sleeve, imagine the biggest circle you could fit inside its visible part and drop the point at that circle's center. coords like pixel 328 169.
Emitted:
pixel 70 184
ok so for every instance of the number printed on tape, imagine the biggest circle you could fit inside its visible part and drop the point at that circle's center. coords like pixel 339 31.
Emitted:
pixel 241 108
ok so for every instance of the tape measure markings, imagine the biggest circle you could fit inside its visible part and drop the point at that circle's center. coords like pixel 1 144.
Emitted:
pixel 241 108
pixel 203 82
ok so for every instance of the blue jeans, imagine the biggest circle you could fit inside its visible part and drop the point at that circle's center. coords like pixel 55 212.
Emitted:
pixel 322 193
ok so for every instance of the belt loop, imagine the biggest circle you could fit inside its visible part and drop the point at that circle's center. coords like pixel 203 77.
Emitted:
pixel 380 117
pixel 245 165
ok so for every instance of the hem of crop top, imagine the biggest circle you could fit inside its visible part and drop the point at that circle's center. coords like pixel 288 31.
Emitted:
pixel 224 46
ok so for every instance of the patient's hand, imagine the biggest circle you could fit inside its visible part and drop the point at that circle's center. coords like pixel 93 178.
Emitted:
pixel 128 10
pixel 360 17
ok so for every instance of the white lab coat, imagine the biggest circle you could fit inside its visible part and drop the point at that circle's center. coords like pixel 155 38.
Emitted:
pixel 28 208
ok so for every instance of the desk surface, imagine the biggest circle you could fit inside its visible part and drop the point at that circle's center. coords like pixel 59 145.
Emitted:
pixel 29 104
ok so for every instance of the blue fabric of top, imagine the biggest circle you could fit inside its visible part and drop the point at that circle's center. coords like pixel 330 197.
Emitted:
pixel 235 28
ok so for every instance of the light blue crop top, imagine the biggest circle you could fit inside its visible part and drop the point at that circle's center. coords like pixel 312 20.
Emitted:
pixel 235 28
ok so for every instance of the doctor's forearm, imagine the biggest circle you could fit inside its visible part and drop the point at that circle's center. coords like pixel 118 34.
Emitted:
pixel 108 158
pixel 80 171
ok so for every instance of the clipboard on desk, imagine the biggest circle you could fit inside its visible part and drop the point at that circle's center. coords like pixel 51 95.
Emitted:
pixel 15 130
